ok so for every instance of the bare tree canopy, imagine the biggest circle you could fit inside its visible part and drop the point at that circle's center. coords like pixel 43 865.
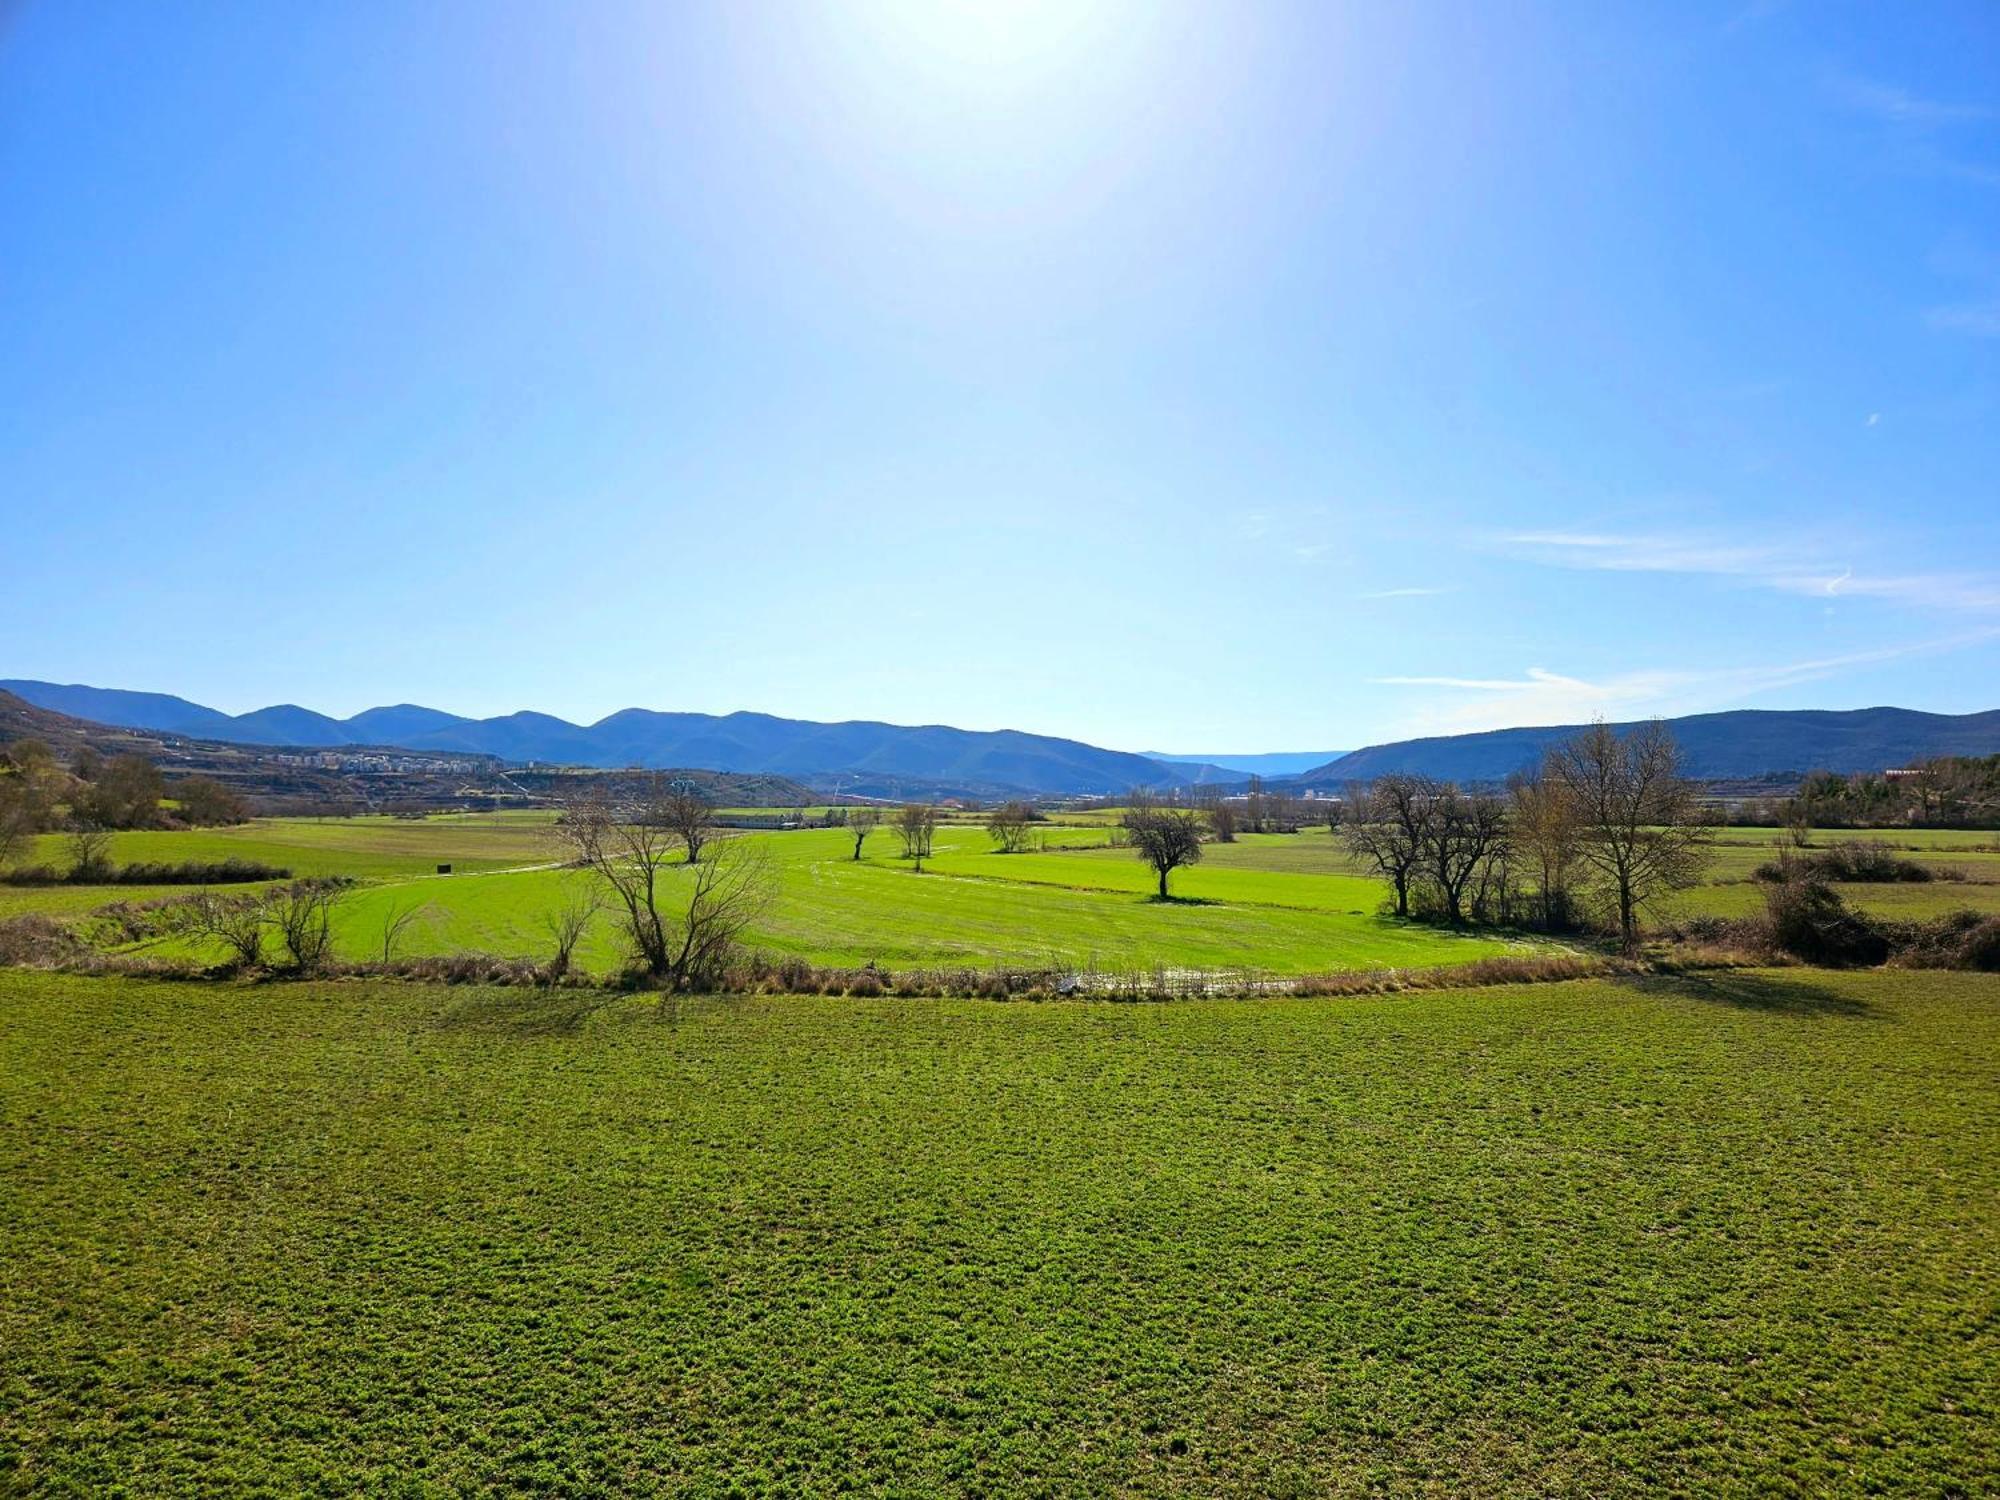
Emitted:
pixel 682 923
pixel 569 921
pixel 628 851
pixel 1463 835
pixel 1220 812
pixel 1546 832
pixel 916 826
pixel 1642 832
pixel 1011 826
pixel 682 808
pixel 1386 823
pixel 1165 837
pixel 862 821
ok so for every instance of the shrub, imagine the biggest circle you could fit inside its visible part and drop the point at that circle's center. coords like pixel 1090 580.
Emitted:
pixel 1867 861
pixel 1806 918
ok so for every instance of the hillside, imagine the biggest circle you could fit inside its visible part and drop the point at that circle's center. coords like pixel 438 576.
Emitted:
pixel 1738 743
pixel 945 759
pixel 358 778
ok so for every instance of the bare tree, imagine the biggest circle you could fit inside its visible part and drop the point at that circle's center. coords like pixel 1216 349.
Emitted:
pixel 685 810
pixel 17 820
pixel 1386 823
pixel 396 920
pixel 89 851
pixel 1255 807
pixel 236 922
pixel 1545 834
pixel 682 921
pixel 1011 826
pixel 568 923
pixel 1642 829
pixel 1220 812
pixel 862 821
pixel 916 826
pixel 1462 834
pixel 1796 817
pixel 627 848
pixel 717 902
pixel 1165 837
pixel 303 914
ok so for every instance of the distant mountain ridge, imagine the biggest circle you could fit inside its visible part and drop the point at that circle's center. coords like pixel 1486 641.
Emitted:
pixel 1260 763
pixel 1738 743
pixel 979 760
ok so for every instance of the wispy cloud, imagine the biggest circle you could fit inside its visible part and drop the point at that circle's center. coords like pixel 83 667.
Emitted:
pixel 1899 106
pixel 1926 135
pixel 1417 593
pixel 1981 319
pixel 1765 567
pixel 1540 696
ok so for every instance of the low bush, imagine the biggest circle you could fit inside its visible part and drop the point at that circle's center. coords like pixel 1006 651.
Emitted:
pixel 1855 861
pixel 1807 919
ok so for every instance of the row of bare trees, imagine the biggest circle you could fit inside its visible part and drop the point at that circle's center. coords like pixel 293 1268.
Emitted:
pixel 1609 821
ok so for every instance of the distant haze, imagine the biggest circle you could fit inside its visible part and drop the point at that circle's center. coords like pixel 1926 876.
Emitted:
pixel 1255 763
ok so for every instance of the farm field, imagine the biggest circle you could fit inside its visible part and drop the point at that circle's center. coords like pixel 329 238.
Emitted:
pixel 1071 906
pixel 1279 904
pixel 1712 1235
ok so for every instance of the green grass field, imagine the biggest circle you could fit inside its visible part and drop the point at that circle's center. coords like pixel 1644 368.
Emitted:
pixel 1279 904
pixel 1729 1234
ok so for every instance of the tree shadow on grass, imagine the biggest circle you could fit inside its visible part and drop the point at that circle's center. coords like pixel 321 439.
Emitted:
pixel 525 1013
pixel 1156 899
pixel 1774 994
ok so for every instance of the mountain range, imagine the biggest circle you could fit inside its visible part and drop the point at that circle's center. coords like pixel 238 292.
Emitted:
pixel 886 759
pixel 1738 744
pixel 994 762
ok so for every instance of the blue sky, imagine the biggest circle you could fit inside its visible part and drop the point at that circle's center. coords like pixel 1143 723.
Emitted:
pixel 1185 377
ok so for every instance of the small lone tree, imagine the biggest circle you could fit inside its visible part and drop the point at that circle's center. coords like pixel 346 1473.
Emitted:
pixel 303 914
pixel 1641 828
pixel 1164 837
pixel 236 922
pixel 89 852
pixel 681 805
pixel 568 923
pixel 627 848
pixel 861 822
pixel 1011 826
pixel 397 919
pixel 916 826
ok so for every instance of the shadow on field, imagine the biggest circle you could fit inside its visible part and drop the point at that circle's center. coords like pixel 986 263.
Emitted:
pixel 525 1012
pixel 1778 994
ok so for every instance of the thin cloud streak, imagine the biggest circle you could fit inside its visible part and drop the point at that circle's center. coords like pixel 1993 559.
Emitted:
pixel 1542 697
pixel 1762 566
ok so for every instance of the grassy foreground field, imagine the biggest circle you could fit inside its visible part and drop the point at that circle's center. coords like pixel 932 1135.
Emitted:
pixel 1715 1235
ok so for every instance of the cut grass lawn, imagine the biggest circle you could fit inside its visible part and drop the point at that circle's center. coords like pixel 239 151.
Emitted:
pixel 1716 1235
